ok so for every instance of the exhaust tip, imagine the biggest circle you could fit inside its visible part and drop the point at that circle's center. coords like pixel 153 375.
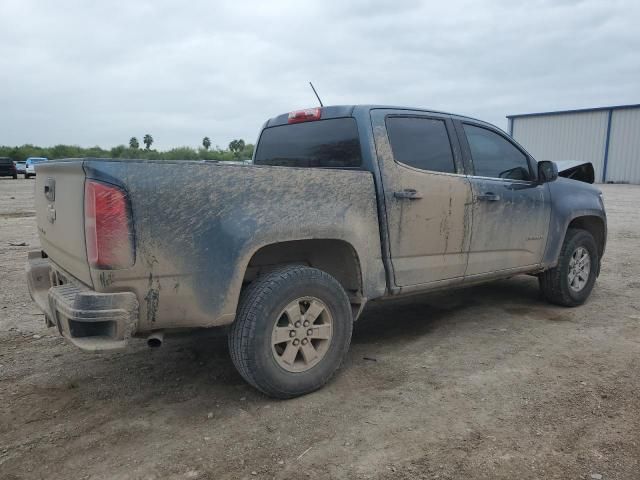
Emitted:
pixel 155 340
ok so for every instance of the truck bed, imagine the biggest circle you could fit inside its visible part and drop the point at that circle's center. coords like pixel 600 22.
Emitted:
pixel 196 225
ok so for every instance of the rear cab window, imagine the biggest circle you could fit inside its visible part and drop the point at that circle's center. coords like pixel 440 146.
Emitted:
pixel 330 143
pixel 421 143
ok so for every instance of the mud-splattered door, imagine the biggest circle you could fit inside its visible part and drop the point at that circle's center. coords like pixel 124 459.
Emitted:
pixel 427 197
pixel 510 209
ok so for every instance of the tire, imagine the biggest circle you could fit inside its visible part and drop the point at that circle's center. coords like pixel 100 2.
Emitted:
pixel 15 177
pixel 555 282
pixel 26 177
pixel 262 310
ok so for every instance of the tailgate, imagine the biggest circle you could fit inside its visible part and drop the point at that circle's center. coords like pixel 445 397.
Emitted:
pixel 59 199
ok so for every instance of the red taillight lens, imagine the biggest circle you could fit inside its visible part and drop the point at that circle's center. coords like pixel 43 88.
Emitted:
pixel 307 115
pixel 107 226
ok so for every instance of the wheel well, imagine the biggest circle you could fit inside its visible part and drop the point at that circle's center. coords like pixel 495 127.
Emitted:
pixel 593 225
pixel 336 257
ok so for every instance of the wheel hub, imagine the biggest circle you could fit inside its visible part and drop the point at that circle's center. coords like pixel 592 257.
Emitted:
pixel 302 334
pixel 579 269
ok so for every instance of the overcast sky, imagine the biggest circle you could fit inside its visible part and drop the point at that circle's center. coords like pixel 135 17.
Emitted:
pixel 96 73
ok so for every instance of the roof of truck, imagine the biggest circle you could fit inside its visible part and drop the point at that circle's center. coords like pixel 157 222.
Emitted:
pixel 336 111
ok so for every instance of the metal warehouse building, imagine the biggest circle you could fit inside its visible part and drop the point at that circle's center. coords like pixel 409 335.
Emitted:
pixel 608 137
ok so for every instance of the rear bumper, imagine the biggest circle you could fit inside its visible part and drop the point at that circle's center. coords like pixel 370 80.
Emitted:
pixel 92 321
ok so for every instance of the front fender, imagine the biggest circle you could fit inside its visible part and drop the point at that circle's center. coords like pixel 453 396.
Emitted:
pixel 570 200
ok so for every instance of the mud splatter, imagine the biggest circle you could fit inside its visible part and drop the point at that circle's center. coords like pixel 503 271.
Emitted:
pixel 106 278
pixel 152 298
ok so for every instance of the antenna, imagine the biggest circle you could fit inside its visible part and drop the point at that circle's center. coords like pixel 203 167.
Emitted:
pixel 317 96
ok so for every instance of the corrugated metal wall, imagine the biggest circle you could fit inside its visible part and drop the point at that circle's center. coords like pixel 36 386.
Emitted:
pixel 623 163
pixel 583 136
pixel 571 136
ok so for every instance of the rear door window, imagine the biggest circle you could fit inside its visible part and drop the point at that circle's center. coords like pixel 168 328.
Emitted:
pixel 494 156
pixel 421 143
pixel 331 143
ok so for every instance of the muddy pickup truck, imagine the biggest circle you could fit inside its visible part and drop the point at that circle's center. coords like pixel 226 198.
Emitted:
pixel 341 206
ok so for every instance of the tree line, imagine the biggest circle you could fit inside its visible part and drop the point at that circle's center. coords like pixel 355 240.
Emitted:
pixel 237 150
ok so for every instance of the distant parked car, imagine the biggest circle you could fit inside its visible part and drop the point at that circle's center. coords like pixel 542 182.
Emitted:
pixel 7 168
pixel 21 167
pixel 30 170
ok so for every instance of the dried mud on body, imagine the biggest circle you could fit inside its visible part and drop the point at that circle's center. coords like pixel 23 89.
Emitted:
pixel 486 382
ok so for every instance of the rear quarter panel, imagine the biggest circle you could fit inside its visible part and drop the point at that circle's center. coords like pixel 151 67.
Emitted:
pixel 197 225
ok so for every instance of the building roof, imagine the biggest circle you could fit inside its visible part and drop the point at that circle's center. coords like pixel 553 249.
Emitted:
pixel 579 110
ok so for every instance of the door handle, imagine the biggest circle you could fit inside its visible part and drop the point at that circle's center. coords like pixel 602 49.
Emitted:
pixel 489 197
pixel 408 194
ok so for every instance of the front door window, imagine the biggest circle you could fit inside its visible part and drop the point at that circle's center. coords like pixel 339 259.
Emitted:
pixel 494 156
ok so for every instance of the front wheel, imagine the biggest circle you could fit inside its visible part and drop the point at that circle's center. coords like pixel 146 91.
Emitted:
pixel 570 283
pixel 292 331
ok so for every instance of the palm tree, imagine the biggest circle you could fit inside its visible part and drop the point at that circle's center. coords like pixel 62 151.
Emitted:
pixel 133 143
pixel 206 143
pixel 236 146
pixel 148 140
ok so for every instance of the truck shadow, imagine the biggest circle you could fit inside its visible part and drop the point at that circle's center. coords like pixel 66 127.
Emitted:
pixel 419 315
pixel 388 322
pixel 206 358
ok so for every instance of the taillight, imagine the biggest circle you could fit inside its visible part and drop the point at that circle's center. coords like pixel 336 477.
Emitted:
pixel 107 226
pixel 307 115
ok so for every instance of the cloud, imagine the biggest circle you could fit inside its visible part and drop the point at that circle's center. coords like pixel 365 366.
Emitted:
pixel 99 72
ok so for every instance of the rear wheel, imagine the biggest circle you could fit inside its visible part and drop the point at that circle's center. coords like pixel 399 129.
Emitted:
pixel 292 331
pixel 15 176
pixel 571 281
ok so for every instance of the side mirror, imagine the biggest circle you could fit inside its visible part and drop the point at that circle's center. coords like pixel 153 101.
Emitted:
pixel 547 171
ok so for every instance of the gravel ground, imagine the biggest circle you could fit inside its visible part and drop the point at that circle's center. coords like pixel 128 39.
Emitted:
pixel 487 382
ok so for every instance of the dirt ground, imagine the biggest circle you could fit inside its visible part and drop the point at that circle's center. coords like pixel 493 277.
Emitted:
pixel 487 382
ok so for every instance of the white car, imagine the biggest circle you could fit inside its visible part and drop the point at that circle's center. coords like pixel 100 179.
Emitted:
pixel 30 170
pixel 21 167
